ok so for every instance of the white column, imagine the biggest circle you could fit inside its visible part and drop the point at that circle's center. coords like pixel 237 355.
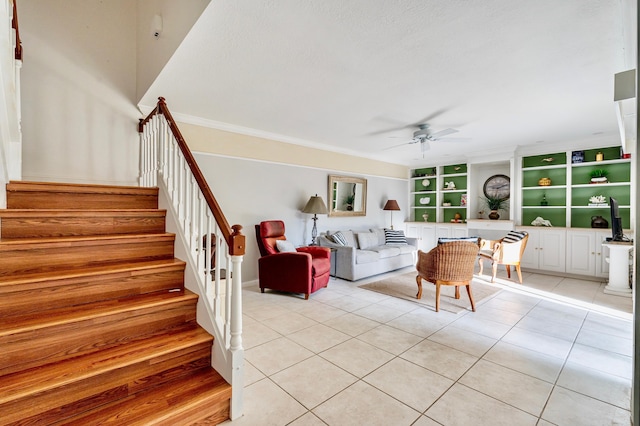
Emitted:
pixel 618 268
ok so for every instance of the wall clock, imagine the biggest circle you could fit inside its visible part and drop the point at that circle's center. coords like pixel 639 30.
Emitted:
pixel 497 186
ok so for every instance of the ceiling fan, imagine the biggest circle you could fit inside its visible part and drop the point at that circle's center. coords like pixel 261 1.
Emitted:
pixel 423 135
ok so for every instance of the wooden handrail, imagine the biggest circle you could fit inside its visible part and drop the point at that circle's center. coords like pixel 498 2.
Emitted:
pixel 232 234
pixel 14 24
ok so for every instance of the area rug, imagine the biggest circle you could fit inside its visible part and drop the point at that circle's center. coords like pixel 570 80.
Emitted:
pixel 405 287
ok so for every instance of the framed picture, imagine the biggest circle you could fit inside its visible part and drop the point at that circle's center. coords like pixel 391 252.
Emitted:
pixel 463 200
pixel 577 157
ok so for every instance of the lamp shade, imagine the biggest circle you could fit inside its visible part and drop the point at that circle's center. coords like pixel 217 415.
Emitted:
pixel 391 205
pixel 315 205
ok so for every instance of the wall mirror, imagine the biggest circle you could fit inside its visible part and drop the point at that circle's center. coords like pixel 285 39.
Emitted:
pixel 347 196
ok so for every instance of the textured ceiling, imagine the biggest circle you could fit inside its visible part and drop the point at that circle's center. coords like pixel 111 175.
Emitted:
pixel 350 75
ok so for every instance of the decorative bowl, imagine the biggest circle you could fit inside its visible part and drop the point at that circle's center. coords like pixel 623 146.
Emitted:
pixel 545 181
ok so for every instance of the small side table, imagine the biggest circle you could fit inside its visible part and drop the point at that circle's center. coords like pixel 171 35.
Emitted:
pixel 618 268
pixel 334 255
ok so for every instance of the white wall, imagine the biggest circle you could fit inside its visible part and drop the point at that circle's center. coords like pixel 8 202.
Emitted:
pixel 79 116
pixel 250 191
pixel 153 53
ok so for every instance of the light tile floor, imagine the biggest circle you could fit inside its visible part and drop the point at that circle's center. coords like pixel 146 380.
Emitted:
pixel 555 351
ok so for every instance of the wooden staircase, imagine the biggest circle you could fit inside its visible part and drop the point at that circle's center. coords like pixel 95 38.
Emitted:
pixel 96 326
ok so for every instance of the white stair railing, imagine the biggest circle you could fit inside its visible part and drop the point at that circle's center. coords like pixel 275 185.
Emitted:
pixel 10 117
pixel 215 249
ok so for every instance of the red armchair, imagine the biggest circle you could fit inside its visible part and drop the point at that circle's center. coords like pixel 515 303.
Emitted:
pixel 304 271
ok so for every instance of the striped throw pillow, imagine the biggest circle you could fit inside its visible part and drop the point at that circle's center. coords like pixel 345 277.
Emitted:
pixel 392 237
pixel 513 236
pixel 338 238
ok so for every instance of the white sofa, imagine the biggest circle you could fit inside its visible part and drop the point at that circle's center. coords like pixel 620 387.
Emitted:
pixel 366 253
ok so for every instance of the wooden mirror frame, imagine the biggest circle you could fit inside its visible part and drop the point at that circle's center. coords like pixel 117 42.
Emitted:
pixel 338 206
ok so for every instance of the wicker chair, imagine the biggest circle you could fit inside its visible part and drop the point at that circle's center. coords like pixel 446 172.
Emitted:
pixel 450 263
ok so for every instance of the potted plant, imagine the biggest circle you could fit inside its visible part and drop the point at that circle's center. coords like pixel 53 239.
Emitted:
pixel 495 204
pixel 446 202
pixel 599 176
pixel 349 200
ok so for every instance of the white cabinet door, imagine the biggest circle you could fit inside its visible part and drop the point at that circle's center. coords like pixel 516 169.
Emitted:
pixel 443 231
pixel 585 253
pixel 425 233
pixel 581 254
pixel 458 231
pixel 545 249
pixel 552 250
pixel 602 253
pixel 530 256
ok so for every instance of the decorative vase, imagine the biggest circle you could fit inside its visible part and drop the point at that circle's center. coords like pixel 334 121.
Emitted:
pixel 494 215
pixel 544 201
pixel 425 217
pixel 599 222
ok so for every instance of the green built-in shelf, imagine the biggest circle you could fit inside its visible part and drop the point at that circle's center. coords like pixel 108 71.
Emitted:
pixel 557 175
pixel 554 159
pixel 571 186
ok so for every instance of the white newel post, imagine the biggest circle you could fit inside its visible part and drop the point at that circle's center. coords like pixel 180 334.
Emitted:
pixel 237 352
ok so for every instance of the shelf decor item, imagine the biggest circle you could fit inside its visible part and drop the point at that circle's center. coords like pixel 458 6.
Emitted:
pixel 425 200
pixel 425 217
pixel 426 183
pixel 577 157
pixel 599 222
pixel 598 201
pixel 539 221
pixel 545 181
pixel 544 201
pixel 599 156
pixel 495 204
pixel 449 185
pixel 446 202
pixel 599 176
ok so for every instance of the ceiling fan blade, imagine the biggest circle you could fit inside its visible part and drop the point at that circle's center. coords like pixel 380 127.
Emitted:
pixel 411 142
pixel 455 140
pixel 407 126
pixel 429 117
pixel 444 132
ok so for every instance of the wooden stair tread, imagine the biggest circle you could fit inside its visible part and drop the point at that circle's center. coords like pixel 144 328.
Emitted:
pixel 170 403
pixel 19 213
pixel 33 243
pixel 79 188
pixel 79 273
pixel 90 311
pixel 36 380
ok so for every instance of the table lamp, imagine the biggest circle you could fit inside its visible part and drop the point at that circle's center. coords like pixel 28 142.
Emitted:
pixel 391 206
pixel 315 206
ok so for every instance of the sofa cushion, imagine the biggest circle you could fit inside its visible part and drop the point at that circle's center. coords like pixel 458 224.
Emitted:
pixel 366 256
pixel 380 233
pixel 285 246
pixel 386 251
pixel 406 249
pixel 350 237
pixel 338 238
pixel 366 240
pixel 392 237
